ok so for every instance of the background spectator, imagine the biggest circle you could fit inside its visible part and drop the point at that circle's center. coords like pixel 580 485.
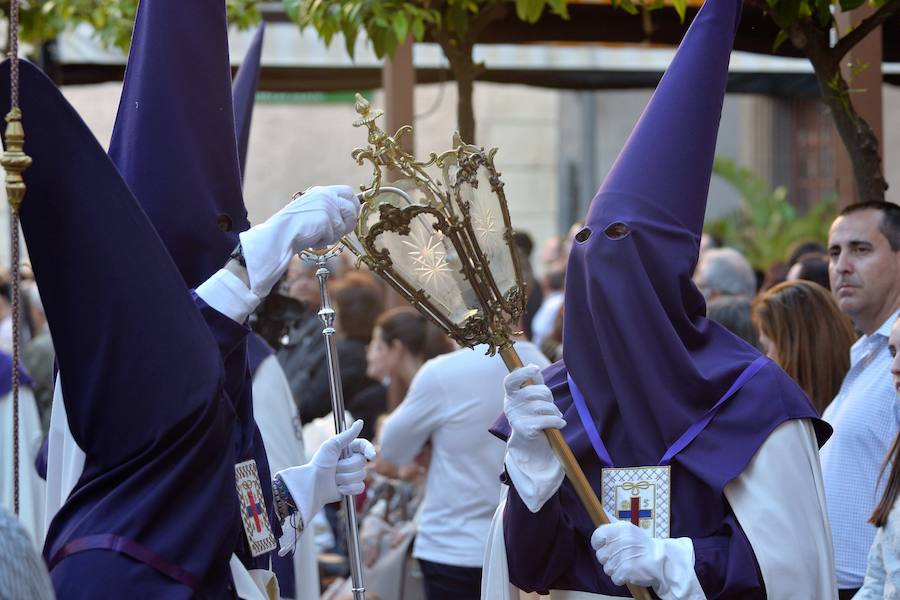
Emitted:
pixel 451 403
pixel 403 339
pixel 864 268
pixel 811 267
pixel 733 313
pixel 525 246
pixel 38 356
pixel 23 575
pixel 545 318
pixel 803 330
pixel 725 272
pixel 883 569
pixel 803 249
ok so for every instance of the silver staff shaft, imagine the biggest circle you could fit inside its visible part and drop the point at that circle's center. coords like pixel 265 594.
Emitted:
pixel 337 404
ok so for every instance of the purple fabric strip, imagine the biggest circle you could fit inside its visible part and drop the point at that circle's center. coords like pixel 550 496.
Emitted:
pixel 686 438
pixel 588 422
pixel 131 549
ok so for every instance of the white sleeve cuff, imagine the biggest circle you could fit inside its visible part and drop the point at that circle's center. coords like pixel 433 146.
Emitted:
pixel 226 293
pixel 679 580
pixel 536 478
pixel 301 483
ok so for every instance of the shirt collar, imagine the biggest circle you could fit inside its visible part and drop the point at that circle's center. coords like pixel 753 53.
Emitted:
pixel 885 329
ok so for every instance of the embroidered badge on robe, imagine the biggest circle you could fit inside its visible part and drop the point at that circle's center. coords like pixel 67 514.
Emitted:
pixel 253 509
pixel 639 495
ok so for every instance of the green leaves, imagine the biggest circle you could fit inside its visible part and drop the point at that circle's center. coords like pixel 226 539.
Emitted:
pixel 112 20
pixel 530 10
pixel 781 38
pixel 851 4
pixel 387 23
pixel 766 224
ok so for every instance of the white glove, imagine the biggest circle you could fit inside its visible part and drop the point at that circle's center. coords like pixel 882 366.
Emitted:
pixel 320 217
pixel 630 555
pixel 327 476
pixel 530 462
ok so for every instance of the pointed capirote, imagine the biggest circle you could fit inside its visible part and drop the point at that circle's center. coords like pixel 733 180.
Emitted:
pixel 666 164
pixel 174 139
pixel 243 92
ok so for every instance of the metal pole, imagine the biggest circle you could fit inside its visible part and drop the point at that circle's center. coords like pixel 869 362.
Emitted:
pixel 337 405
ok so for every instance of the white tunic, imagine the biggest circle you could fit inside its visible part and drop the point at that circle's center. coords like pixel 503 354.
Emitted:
pixel 779 500
pixel 279 424
pixel 31 486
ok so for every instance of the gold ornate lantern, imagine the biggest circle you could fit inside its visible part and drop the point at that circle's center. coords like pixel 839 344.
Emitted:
pixel 441 236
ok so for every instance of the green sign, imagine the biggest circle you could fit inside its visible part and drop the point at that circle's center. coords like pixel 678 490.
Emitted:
pixel 339 97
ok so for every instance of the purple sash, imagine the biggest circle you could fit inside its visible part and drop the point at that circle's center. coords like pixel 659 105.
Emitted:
pixel 686 438
pixel 132 549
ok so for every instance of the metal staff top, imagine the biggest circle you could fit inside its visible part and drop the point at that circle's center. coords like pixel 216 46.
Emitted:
pixel 446 245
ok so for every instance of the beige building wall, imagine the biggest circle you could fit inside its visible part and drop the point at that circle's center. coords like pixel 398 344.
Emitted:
pixel 294 146
pixel 892 141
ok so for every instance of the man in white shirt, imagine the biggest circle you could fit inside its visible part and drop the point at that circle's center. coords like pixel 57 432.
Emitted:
pixel 864 269
pixel 452 402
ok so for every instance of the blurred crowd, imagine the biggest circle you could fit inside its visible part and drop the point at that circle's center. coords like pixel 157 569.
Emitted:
pixel 824 315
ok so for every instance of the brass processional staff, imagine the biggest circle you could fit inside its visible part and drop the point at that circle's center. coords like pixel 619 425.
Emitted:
pixel 441 237
pixel 14 161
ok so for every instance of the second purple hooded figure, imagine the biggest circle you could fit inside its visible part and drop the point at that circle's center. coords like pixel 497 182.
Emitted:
pixel 704 450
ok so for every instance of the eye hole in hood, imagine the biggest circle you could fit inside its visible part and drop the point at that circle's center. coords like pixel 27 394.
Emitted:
pixel 617 231
pixel 583 235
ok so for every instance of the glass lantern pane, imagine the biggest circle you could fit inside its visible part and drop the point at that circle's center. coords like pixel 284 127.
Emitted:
pixel 427 260
pixel 486 213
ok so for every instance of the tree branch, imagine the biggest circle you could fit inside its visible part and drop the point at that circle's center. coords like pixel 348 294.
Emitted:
pixel 865 28
pixel 491 13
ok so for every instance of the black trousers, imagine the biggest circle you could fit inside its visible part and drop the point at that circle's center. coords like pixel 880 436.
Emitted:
pixel 847 594
pixel 446 582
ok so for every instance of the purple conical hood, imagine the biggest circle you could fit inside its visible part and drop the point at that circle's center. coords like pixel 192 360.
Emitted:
pixel 666 164
pixel 636 340
pixel 174 140
pixel 243 91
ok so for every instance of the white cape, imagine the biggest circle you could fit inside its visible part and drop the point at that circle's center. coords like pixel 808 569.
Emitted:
pixel 279 423
pixel 31 486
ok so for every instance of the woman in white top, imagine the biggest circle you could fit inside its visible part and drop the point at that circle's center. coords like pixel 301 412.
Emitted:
pixel 883 571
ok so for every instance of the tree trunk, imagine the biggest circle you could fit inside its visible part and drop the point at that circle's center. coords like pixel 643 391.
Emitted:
pixel 862 147
pixel 459 55
pixel 465 112
pixel 856 134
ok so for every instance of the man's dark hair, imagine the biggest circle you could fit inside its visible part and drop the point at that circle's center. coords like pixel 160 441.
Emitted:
pixel 804 247
pixel 890 219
